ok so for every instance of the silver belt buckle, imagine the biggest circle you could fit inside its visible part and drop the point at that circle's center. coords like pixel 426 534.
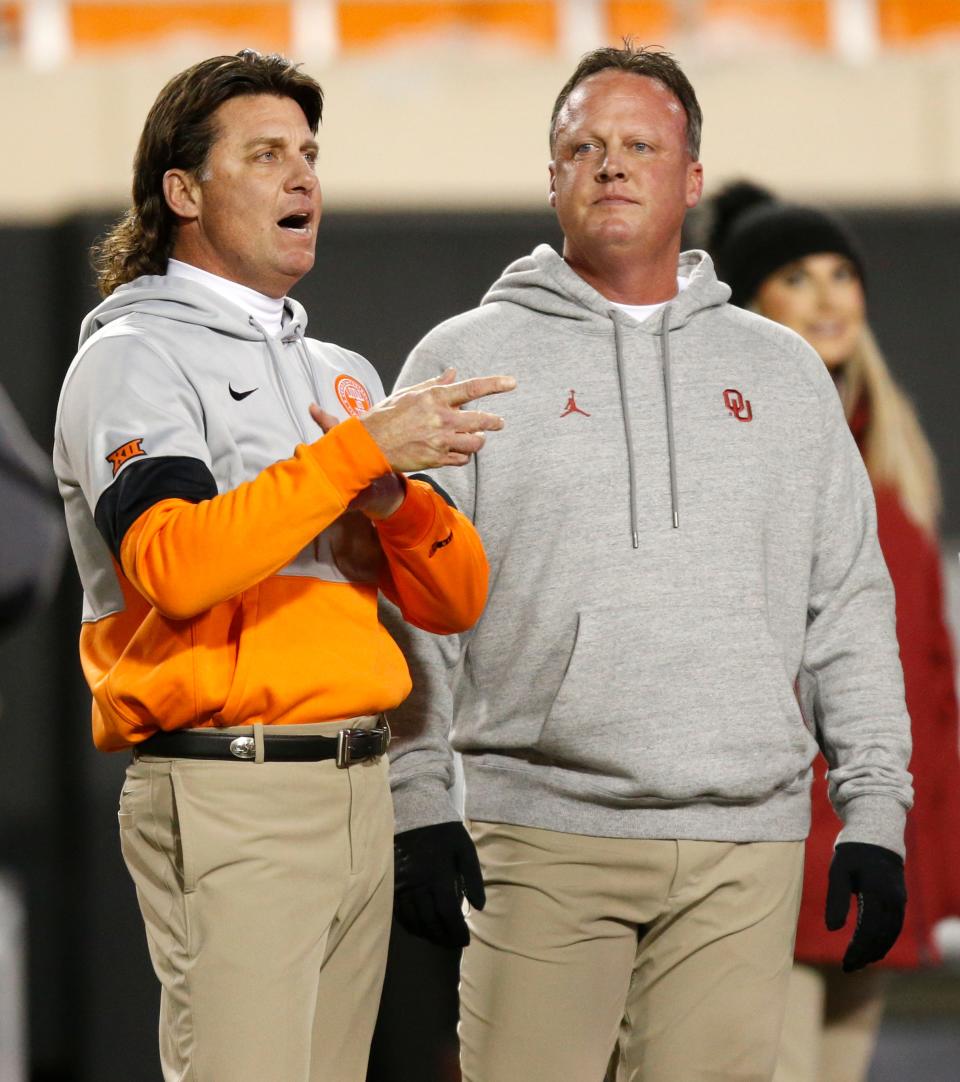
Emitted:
pixel 343 749
pixel 345 752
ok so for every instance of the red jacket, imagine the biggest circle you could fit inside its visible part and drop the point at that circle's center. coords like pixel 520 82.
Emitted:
pixel 933 827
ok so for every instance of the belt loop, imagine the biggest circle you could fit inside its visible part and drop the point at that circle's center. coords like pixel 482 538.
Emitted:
pixel 258 742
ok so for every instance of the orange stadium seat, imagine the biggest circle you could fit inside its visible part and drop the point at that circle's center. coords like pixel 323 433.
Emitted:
pixel 98 25
pixel 802 21
pixel 10 18
pixel 908 22
pixel 647 23
pixel 806 22
pixel 364 23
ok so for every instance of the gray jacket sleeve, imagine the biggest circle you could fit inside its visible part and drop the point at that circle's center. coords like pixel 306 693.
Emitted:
pixel 851 680
pixel 32 533
pixel 422 772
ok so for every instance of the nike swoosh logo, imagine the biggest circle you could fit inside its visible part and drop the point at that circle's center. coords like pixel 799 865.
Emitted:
pixel 240 395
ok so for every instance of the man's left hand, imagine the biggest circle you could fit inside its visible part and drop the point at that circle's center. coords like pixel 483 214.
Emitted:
pixel 378 500
pixel 875 875
pixel 435 868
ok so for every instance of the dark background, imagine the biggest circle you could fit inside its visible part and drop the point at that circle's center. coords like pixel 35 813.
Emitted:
pixel 381 281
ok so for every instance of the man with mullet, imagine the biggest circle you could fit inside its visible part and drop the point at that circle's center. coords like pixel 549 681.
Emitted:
pixel 679 529
pixel 236 500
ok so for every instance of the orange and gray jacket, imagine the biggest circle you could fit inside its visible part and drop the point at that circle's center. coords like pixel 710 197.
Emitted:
pixel 225 580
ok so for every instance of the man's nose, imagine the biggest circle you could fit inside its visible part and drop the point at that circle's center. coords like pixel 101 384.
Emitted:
pixel 302 178
pixel 612 167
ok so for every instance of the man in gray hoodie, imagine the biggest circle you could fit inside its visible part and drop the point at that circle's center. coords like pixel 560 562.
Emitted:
pixel 682 545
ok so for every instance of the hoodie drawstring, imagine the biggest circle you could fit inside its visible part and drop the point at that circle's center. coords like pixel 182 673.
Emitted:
pixel 664 339
pixel 308 370
pixel 627 428
pixel 668 404
pixel 281 382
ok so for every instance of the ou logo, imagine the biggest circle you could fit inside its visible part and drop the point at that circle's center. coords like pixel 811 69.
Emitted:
pixel 738 406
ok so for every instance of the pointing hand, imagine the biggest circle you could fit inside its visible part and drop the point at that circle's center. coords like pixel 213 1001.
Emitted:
pixel 423 426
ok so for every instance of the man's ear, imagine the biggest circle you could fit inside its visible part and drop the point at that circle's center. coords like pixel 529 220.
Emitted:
pixel 694 184
pixel 552 197
pixel 183 193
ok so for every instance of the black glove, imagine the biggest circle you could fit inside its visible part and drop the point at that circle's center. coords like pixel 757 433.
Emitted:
pixel 875 875
pixel 434 868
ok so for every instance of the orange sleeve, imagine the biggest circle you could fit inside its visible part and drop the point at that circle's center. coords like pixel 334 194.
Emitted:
pixel 186 557
pixel 436 572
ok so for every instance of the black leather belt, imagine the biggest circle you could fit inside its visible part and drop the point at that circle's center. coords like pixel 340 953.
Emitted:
pixel 349 746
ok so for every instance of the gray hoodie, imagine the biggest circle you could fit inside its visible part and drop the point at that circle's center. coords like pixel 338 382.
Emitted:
pixel 682 543
pixel 173 361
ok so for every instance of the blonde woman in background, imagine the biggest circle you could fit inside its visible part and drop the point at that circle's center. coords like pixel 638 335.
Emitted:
pixel 800 267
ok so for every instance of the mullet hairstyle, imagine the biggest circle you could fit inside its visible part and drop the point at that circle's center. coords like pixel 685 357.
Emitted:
pixel 178 133
pixel 637 60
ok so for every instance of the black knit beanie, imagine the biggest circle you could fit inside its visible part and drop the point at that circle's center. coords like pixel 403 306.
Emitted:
pixel 753 235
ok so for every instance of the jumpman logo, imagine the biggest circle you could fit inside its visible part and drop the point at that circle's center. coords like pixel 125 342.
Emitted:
pixel 572 406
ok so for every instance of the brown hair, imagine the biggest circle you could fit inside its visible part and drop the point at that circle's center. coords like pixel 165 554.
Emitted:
pixel 654 64
pixel 178 134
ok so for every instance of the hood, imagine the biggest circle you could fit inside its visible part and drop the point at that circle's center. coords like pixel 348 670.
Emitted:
pixel 544 283
pixel 186 302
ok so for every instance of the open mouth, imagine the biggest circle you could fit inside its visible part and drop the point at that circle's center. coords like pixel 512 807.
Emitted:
pixel 296 223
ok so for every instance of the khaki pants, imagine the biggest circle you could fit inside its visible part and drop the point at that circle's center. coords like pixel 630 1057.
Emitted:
pixel 831 1025
pixel 266 890
pixel 676 952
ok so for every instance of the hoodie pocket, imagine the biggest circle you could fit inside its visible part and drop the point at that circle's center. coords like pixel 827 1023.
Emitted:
pixel 183 672
pixel 677 704
pixel 243 634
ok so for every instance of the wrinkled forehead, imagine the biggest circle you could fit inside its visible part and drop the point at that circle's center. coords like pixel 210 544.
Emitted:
pixel 615 93
pixel 247 116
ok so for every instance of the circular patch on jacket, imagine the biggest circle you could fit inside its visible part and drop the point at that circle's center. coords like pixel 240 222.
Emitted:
pixel 352 395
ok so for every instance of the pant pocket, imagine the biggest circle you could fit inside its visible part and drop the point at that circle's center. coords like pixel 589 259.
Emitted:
pixel 134 802
pixel 184 831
